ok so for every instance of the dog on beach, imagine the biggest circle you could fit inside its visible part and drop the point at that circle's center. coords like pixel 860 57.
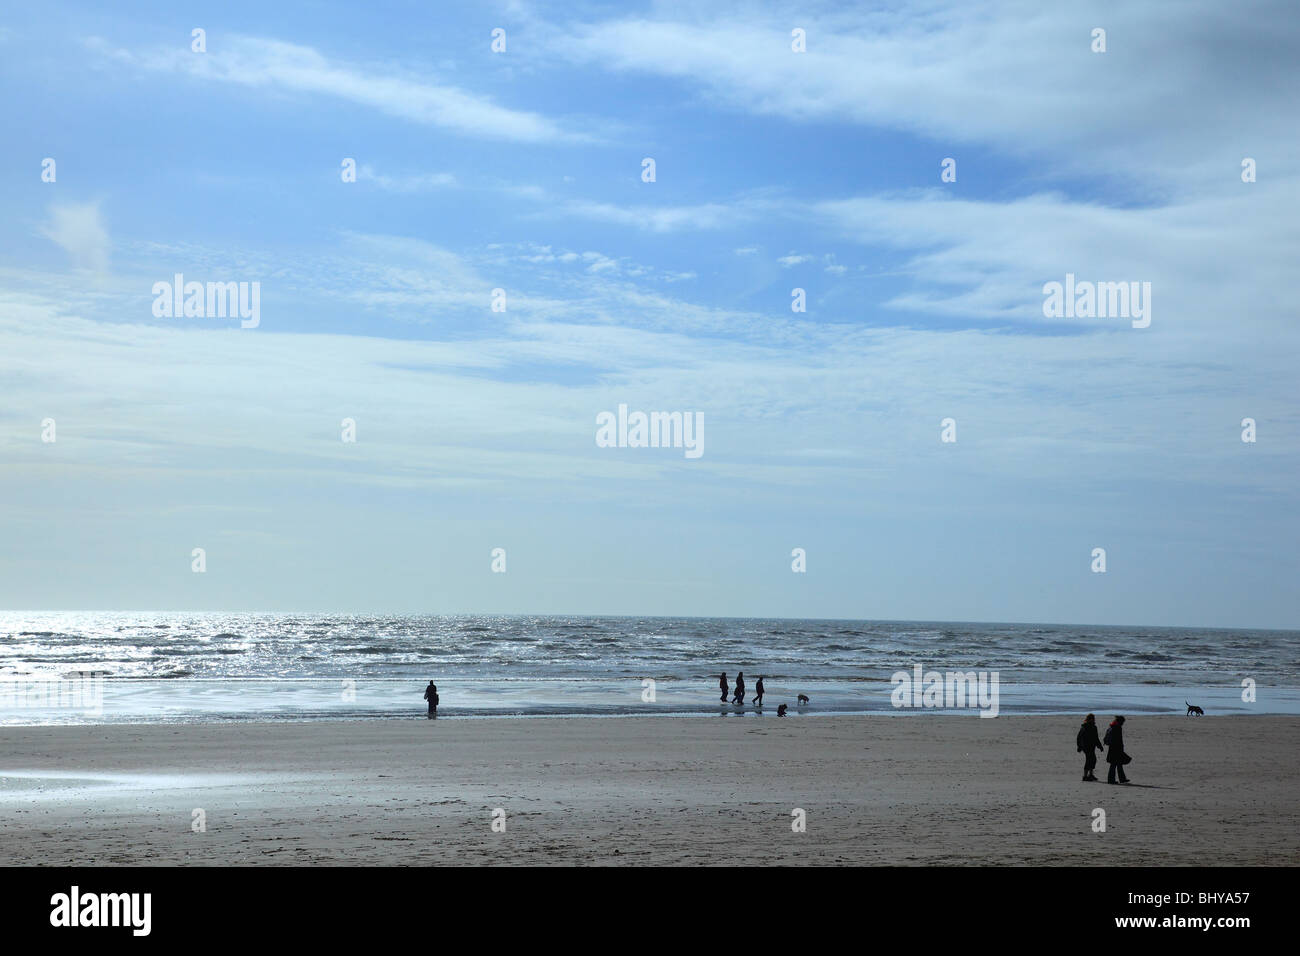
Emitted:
pixel 803 698
pixel 1194 711
pixel 780 711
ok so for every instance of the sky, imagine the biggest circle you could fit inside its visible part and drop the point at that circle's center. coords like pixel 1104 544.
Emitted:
pixel 523 170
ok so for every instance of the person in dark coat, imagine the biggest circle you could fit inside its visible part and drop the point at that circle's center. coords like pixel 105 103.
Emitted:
pixel 758 692
pixel 739 696
pixel 431 695
pixel 1088 743
pixel 722 686
pixel 1115 755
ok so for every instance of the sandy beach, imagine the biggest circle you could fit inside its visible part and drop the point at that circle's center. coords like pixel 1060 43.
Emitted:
pixel 906 790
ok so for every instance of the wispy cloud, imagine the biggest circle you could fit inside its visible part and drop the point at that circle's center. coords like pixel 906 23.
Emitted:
pixel 265 63
pixel 415 182
pixel 713 215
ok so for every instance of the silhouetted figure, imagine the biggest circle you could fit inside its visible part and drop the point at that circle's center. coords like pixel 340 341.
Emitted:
pixel 1088 743
pixel 780 711
pixel 758 692
pixel 431 695
pixel 722 686
pixel 739 696
pixel 1115 755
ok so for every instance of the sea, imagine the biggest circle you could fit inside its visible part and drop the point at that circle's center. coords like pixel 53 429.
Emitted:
pixel 154 667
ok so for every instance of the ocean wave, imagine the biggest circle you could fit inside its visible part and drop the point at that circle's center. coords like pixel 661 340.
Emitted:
pixel 571 649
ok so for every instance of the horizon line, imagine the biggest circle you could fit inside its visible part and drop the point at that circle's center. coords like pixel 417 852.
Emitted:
pixel 703 617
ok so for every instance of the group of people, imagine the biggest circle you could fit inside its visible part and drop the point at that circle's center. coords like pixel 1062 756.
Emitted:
pixel 1088 743
pixel 431 693
pixel 739 696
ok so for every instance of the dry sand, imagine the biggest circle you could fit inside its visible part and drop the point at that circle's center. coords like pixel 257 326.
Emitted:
pixel 923 789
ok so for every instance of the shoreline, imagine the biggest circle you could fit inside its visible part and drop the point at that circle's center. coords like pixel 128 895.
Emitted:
pixel 875 790
pixel 750 714
pixel 88 701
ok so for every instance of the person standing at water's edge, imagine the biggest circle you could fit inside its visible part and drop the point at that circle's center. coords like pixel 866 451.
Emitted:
pixel 1115 755
pixel 431 695
pixel 722 686
pixel 758 692
pixel 1087 743
pixel 739 697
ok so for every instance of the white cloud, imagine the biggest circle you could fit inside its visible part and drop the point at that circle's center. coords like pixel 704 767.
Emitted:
pixel 973 258
pixel 1017 75
pixel 793 384
pixel 79 229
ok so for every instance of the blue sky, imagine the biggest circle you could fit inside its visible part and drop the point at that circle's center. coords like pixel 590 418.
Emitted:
pixel 521 170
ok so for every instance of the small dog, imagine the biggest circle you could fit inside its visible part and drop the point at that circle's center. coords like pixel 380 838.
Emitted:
pixel 803 698
pixel 1194 711
pixel 780 711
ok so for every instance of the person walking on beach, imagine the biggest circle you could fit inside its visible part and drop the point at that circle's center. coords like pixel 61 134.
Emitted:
pixel 431 695
pixel 722 686
pixel 1115 755
pixel 758 692
pixel 1088 743
pixel 739 697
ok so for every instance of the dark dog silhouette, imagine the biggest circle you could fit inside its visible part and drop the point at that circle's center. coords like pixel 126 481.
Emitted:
pixel 803 698
pixel 1194 711
pixel 780 711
